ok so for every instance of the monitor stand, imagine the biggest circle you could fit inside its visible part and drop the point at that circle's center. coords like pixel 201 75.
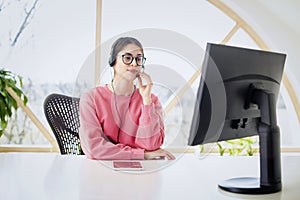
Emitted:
pixel 269 142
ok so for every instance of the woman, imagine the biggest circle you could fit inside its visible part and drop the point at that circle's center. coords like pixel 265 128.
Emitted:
pixel 119 121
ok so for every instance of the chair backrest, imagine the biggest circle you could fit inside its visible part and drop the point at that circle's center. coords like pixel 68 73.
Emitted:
pixel 62 114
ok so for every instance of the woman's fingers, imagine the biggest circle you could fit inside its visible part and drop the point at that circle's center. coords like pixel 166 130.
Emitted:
pixel 146 77
pixel 161 153
pixel 140 81
pixel 169 155
pixel 145 90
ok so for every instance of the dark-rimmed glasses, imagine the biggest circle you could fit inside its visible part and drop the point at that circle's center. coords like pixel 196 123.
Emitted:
pixel 128 59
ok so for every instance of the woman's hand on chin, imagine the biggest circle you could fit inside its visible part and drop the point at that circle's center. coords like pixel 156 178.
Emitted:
pixel 145 89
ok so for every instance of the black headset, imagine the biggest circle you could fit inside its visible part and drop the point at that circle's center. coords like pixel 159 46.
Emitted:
pixel 112 57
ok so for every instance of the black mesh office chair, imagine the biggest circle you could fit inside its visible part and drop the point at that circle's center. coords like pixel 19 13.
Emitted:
pixel 62 114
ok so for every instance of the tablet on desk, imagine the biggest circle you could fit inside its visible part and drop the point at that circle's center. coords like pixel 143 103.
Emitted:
pixel 127 165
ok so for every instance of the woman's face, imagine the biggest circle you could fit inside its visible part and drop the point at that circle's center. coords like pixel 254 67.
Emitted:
pixel 128 71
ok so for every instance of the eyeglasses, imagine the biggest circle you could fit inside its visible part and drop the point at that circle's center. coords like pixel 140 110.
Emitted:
pixel 128 59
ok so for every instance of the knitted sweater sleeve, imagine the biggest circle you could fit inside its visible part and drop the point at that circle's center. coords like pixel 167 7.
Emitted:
pixel 150 133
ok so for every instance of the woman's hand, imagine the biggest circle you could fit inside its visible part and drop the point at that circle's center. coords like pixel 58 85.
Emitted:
pixel 145 90
pixel 150 155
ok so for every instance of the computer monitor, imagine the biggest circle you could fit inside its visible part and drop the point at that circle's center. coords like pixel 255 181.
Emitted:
pixel 237 98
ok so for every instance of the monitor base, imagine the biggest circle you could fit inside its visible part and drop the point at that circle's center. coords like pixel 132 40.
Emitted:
pixel 248 185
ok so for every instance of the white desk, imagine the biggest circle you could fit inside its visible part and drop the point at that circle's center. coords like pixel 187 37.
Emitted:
pixel 52 176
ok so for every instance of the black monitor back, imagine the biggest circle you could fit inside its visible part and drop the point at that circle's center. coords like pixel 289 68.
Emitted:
pixel 220 112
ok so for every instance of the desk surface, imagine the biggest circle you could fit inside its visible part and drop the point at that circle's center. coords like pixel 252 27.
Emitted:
pixel 52 176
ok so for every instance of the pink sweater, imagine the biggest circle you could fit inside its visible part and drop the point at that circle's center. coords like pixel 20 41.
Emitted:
pixel 102 112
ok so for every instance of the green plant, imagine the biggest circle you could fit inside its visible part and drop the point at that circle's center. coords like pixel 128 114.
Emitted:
pixel 7 102
pixel 242 146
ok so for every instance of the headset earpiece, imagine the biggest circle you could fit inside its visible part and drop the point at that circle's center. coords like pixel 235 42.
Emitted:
pixel 112 60
pixel 112 57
